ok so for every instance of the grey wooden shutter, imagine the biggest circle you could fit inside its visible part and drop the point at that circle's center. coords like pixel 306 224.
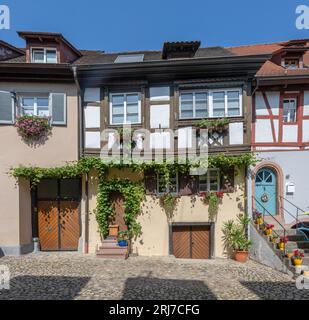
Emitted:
pixel 6 107
pixel 188 185
pixel 58 108
pixel 227 180
pixel 150 179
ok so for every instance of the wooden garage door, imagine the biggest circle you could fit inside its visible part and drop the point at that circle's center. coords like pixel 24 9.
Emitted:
pixel 191 242
pixel 58 217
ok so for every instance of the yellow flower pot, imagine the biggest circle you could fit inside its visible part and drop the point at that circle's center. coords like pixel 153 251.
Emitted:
pixel 297 262
pixel 259 221
pixel 269 232
pixel 281 246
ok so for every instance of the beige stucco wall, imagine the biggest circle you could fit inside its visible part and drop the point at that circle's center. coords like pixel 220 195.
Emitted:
pixel 155 227
pixel 61 146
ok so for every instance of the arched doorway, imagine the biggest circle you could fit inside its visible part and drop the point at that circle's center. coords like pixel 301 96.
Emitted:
pixel 266 191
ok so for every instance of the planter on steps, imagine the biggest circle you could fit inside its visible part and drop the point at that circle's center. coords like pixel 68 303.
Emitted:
pixel 241 256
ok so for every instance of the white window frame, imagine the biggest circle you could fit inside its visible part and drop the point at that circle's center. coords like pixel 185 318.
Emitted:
pixel 210 102
pixel 167 187
pixel 45 55
pixel 208 180
pixel 35 106
pixel 125 108
pixel 296 102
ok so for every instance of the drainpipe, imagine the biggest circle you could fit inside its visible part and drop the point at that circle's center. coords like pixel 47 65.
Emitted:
pixel 80 154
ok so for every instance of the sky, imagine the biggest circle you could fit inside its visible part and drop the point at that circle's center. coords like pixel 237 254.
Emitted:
pixel 128 25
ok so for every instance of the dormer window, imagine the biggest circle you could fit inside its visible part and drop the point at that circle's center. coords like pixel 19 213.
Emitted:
pixel 44 55
pixel 291 63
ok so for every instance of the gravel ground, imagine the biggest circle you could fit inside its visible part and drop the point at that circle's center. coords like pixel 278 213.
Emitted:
pixel 67 276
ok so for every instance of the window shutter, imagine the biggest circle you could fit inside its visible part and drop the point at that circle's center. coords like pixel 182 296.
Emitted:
pixel 150 179
pixel 227 180
pixel 58 108
pixel 7 104
pixel 188 185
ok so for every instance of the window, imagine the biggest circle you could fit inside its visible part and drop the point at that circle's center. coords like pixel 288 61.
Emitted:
pixel 212 104
pixel 193 105
pixel 38 106
pixel 44 55
pixel 210 181
pixel 170 188
pixel 125 108
pixel 129 58
pixel 289 110
pixel 291 63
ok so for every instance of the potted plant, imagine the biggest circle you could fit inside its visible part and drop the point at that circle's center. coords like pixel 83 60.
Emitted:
pixel 298 258
pixel 269 229
pixel 258 218
pixel 289 255
pixel 274 239
pixel 123 238
pixel 282 243
pixel 32 127
pixel 235 238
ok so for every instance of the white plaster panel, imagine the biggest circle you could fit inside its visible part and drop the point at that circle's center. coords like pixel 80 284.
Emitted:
pixel 260 106
pixel 93 140
pixel 276 125
pixel 306 103
pixel 92 95
pixel 289 133
pixel 263 131
pixel 160 140
pixel 236 133
pixel 185 137
pixel 92 117
pixel 159 93
pixel 273 98
pixel 160 116
pixel 305 130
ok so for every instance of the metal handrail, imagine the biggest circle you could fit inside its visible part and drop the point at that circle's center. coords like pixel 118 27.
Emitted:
pixel 292 204
pixel 271 215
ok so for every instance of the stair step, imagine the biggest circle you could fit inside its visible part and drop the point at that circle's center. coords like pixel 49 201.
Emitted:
pixel 118 250
pixel 113 256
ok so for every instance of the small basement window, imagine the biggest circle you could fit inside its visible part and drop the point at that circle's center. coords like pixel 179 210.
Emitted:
pixel 44 55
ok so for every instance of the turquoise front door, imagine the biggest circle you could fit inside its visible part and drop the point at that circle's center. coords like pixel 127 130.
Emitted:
pixel 266 192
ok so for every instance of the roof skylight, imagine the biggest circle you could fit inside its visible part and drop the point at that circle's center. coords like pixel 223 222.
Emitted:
pixel 129 58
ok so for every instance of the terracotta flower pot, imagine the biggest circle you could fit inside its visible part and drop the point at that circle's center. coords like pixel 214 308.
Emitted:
pixel 289 255
pixel 241 256
pixel 113 231
pixel 297 262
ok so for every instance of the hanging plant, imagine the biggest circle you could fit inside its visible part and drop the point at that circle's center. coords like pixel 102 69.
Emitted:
pixel 33 127
pixel 169 202
pixel 212 199
pixel 217 125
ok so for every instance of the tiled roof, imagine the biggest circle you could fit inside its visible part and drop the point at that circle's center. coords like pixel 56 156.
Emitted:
pixel 270 69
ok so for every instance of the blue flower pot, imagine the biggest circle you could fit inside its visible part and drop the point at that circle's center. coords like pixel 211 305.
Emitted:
pixel 122 243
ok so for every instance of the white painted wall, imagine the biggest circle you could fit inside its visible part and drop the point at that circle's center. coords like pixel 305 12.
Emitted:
pixel 273 98
pixel 92 95
pixel 185 137
pixel 160 116
pixel 263 131
pixel 160 140
pixel 260 105
pixel 305 130
pixel 236 133
pixel 289 133
pixel 92 117
pixel 92 140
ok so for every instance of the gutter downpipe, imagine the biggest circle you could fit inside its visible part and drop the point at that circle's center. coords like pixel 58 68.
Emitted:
pixel 80 154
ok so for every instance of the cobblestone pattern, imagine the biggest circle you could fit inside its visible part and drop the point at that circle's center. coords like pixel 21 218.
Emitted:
pixel 59 276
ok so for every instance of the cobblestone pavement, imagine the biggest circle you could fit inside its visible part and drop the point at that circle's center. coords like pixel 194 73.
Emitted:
pixel 60 276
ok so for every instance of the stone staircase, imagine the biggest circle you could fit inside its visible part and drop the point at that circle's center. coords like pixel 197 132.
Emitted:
pixel 295 241
pixel 109 249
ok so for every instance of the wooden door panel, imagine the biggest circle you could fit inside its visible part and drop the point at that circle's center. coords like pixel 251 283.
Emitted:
pixel 48 225
pixel 69 225
pixel 181 242
pixel 117 201
pixel 200 242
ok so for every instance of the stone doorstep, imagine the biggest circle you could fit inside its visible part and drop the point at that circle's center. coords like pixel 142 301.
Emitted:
pixel 113 256
pixel 113 251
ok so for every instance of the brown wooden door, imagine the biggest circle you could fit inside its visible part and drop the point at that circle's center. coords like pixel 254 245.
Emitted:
pixel 48 225
pixel 200 242
pixel 69 225
pixel 181 242
pixel 191 242
pixel 117 201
